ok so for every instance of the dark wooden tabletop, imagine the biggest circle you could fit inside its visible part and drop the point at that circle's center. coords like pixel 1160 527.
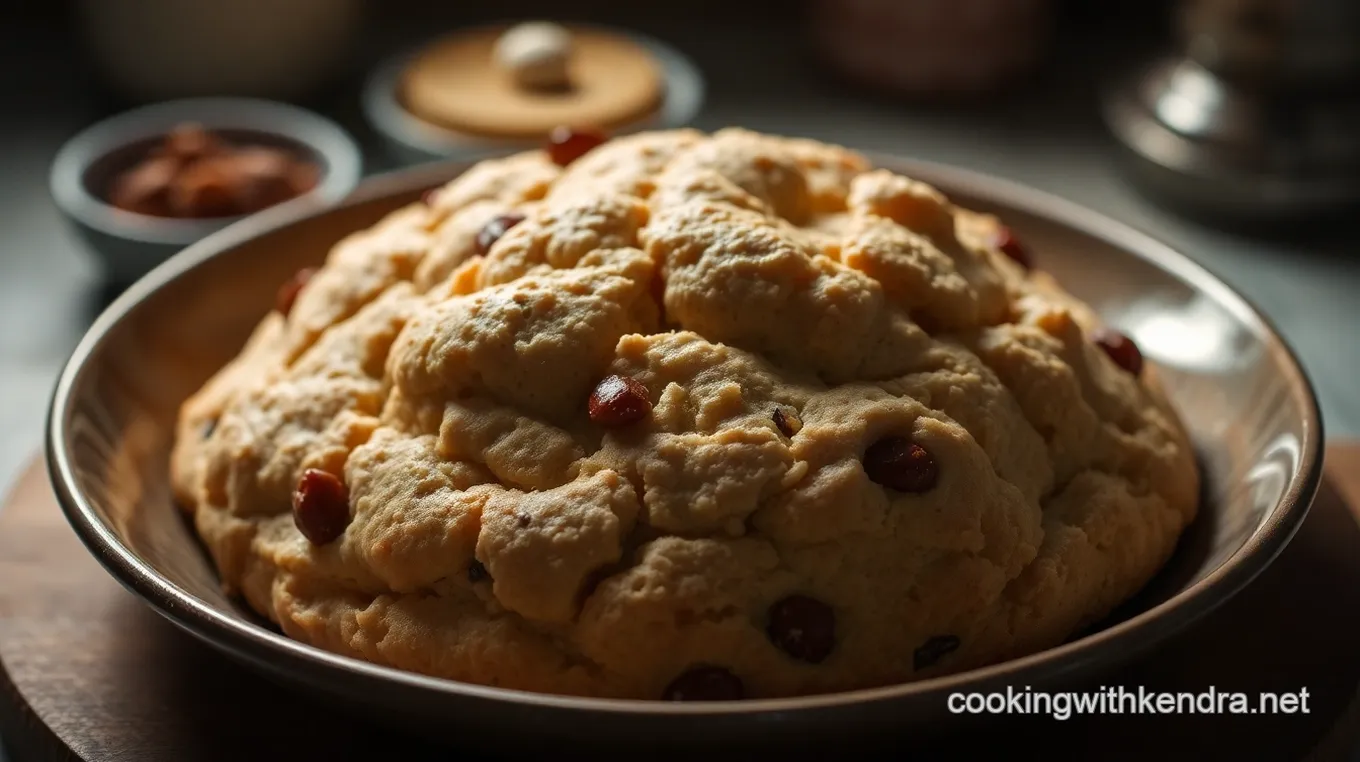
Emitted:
pixel 90 673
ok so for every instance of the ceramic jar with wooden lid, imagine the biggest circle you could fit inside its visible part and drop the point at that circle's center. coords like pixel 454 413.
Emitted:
pixel 930 47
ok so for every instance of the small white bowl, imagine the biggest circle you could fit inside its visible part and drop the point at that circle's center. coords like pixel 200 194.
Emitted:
pixel 129 245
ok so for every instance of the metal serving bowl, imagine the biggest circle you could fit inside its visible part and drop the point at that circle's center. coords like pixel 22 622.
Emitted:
pixel 1250 408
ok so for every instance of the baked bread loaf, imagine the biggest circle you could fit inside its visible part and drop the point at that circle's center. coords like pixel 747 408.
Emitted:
pixel 691 417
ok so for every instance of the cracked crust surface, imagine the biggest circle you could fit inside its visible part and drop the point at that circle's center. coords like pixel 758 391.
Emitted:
pixel 498 536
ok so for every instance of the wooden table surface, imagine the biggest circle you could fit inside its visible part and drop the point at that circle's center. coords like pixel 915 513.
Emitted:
pixel 92 674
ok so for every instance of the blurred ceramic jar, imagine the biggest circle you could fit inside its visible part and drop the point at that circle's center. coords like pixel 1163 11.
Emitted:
pixel 160 49
pixel 931 47
pixel 1298 44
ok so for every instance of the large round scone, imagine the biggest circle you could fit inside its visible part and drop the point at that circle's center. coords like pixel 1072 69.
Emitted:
pixel 693 417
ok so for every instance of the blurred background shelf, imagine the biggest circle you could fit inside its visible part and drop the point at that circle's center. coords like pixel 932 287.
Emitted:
pixel 1044 130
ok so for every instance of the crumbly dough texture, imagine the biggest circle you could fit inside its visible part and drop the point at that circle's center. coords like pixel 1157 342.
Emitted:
pixel 499 537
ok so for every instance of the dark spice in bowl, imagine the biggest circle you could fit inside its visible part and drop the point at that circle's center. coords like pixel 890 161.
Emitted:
pixel 195 173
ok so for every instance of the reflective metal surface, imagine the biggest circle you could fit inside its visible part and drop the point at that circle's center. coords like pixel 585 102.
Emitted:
pixel 1250 409
pixel 1283 43
pixel 1256 116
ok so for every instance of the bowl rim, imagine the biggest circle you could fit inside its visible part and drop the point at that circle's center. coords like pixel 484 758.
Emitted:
pixel 380 97
pixel 263 647
pixel 339 154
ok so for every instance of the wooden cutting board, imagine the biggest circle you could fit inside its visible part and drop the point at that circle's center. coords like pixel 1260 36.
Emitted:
pixel 92 674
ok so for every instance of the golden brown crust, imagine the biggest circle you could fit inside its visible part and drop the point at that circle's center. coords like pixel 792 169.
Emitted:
pixel 499 535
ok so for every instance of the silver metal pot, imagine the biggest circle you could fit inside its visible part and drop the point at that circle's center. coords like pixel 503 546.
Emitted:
pixel 1256 116
pixel 1306 44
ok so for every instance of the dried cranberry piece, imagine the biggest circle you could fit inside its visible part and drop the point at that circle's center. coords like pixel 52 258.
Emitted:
pixel 205 188
pixel 803 627
pixel 567 144
pixel 265 177
pixel 145 189
pixel 288 292
pixel 320 506
pixel 1010 246
pixel 933 650
pixel 189 141
pixel 787 421
pixel 901 464
pixel 619 401
pixel 492 231
pixel 1121 349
